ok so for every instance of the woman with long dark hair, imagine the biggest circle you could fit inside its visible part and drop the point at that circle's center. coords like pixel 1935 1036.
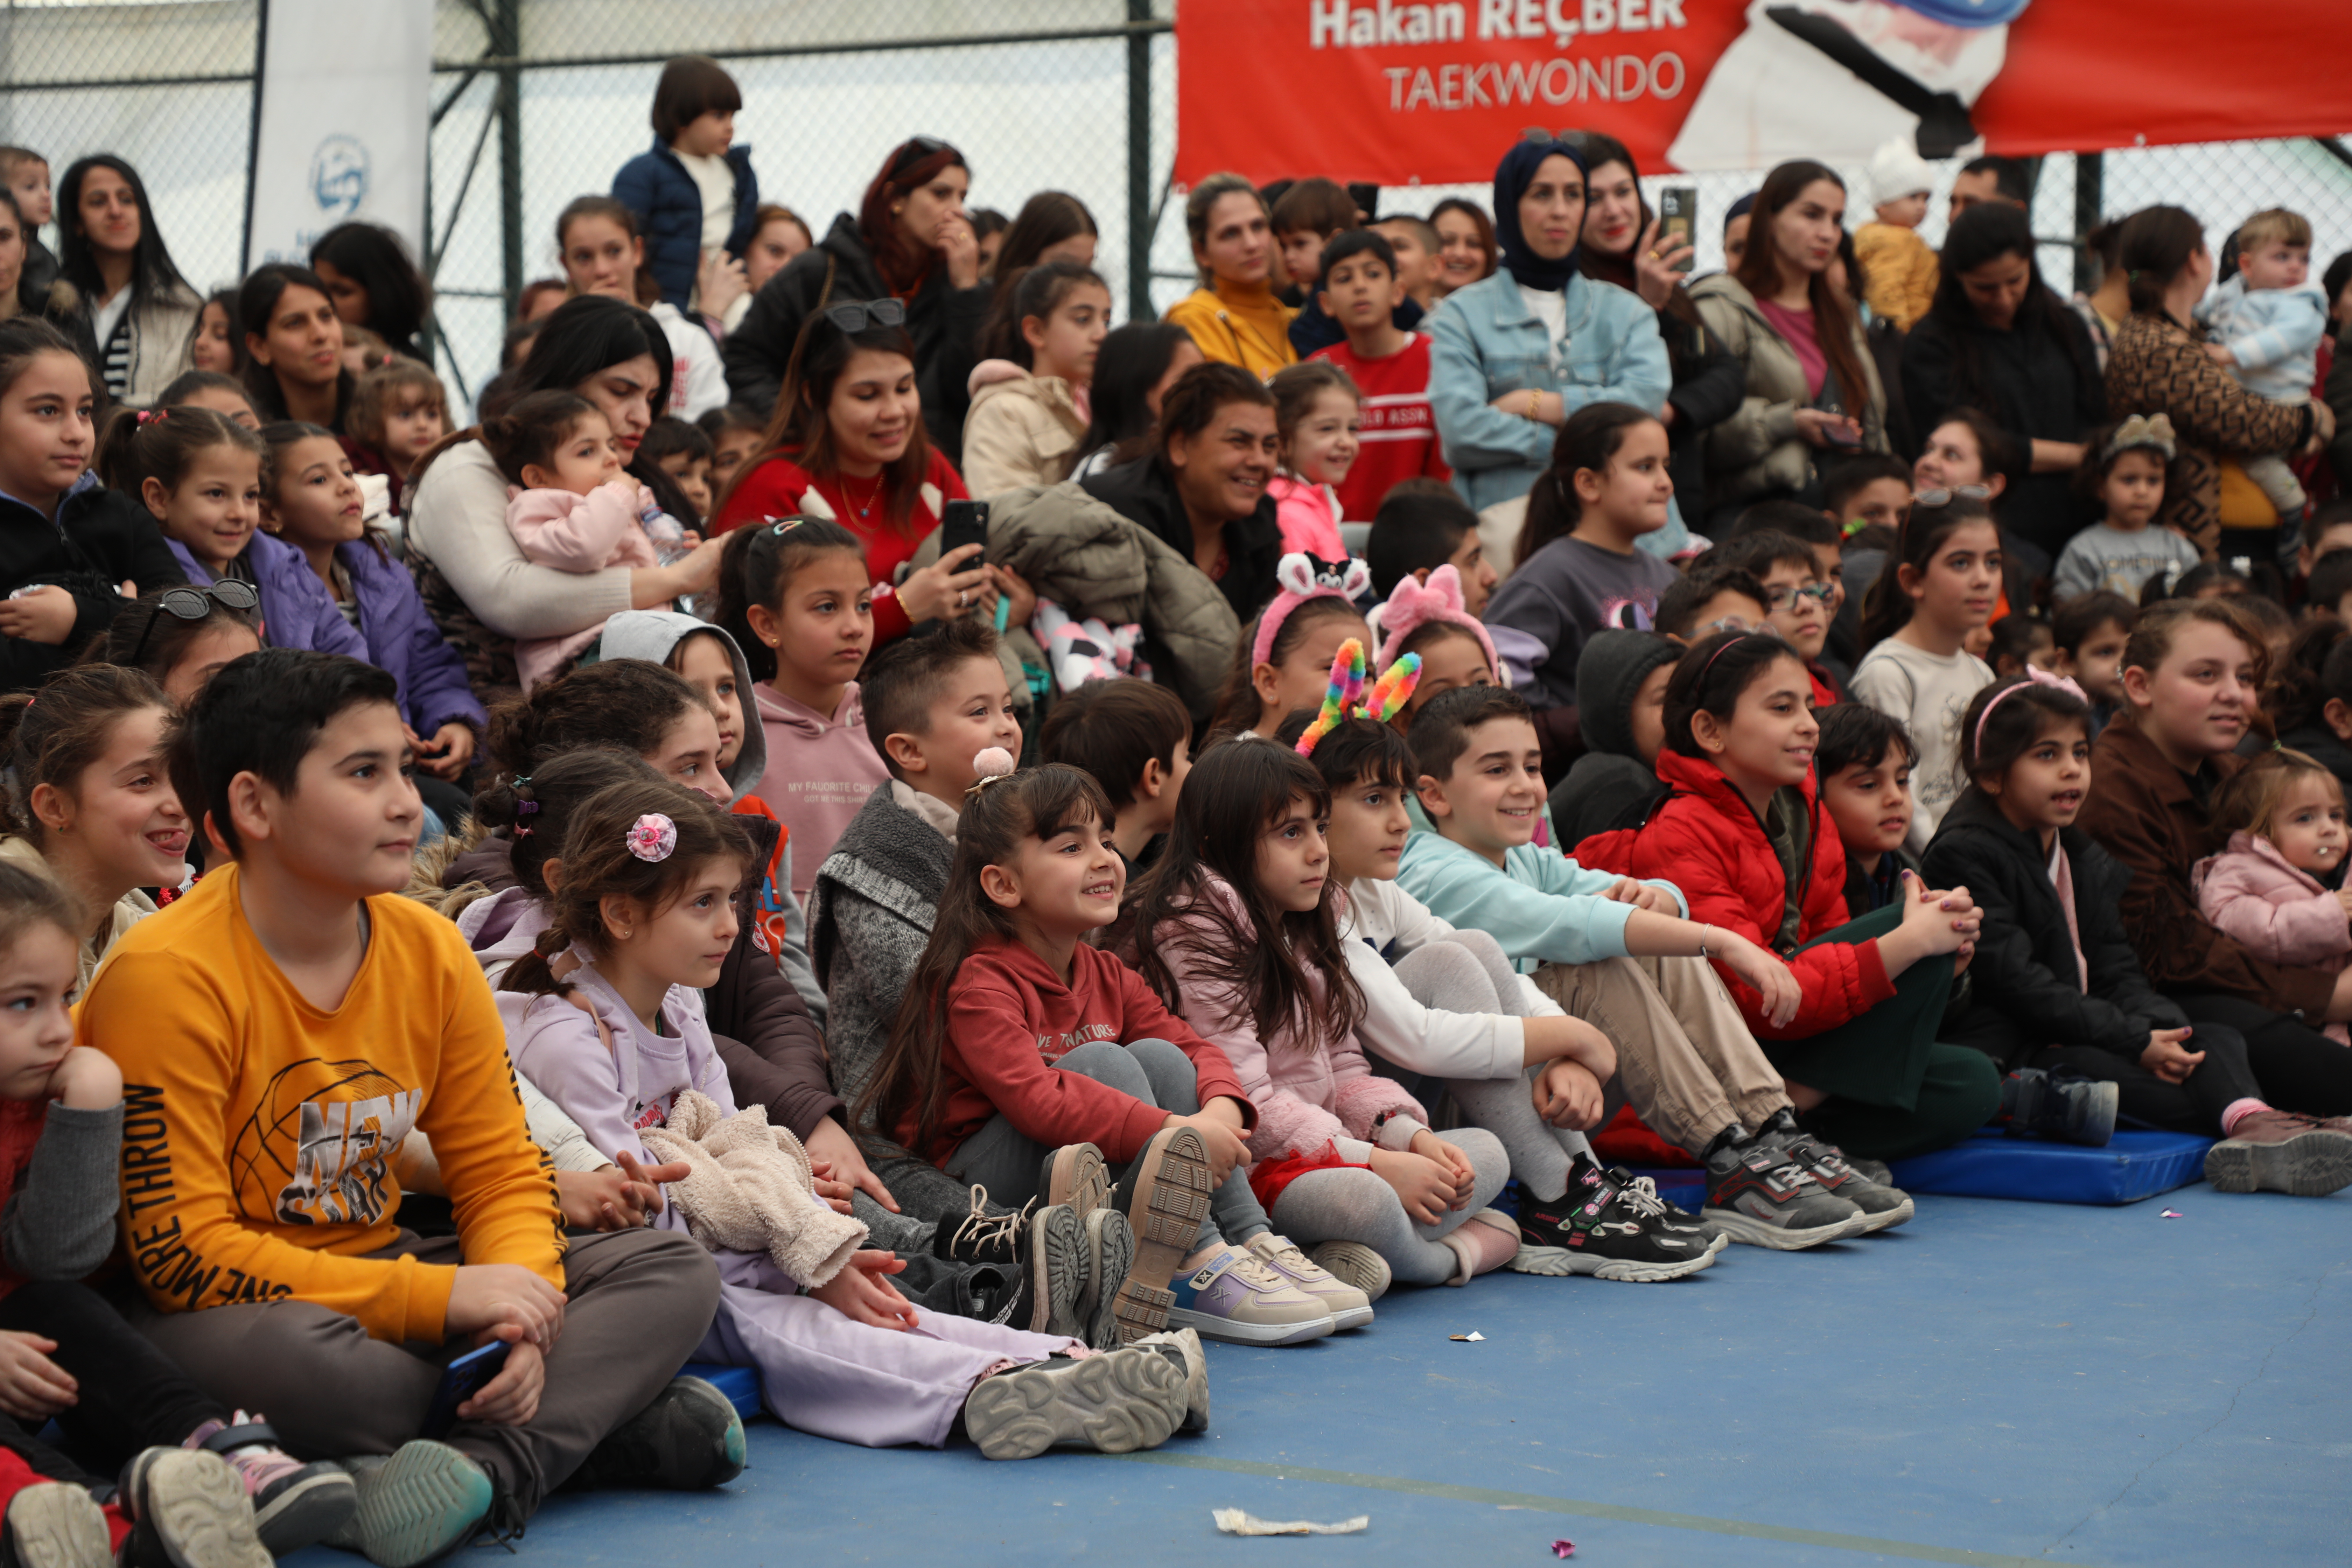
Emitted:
pixel 293 347
pixel 847 442
pixel 373 284
pixel 139 309
pixel 1812 392
pixel 1999 340
pixel 483 592
pixel 910 242
pixel 1133 369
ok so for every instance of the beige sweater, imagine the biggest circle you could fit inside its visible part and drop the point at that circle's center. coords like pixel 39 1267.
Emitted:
pixel 128 910
pixel 750 1189
pixel 1023 429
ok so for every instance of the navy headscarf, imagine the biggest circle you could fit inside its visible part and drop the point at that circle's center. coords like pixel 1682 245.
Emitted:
pixel 1513 176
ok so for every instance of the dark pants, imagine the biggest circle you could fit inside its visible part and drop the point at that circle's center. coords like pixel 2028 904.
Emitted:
pixel 2220 1081
pixel 1893 1090
pixel 130 1395
pixel 2298 1067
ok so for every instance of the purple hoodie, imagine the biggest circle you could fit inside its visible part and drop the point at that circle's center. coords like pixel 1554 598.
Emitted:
pixel 402 638
pixel 297 610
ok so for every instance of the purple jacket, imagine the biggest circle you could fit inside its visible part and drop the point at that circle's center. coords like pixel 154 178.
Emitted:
pixel 297 610
pixel 402 638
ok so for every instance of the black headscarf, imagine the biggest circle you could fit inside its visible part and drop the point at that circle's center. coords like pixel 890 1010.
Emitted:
pixel 1512 177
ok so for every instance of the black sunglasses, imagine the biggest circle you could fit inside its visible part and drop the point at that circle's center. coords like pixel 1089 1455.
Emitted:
pixel 195 603
pixel 853 315
pixel 915 151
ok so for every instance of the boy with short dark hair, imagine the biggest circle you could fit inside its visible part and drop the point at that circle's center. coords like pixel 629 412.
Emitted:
pixel 1797 604
pixel 683 451
pixel 282 1030
pixel 1416 245
pixel 694 194
pixel 1389 365
pixel 1867 496
pixel 1135 738
pixel 2330 585
pixel 1689 1065
pixel 1863 759
pixel 1710 597
pixel 2087 634
pixel 1423 524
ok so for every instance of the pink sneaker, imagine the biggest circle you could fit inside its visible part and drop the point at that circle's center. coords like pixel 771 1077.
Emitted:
pixel 294 1504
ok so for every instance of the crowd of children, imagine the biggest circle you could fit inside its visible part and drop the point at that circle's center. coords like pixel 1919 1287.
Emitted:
pixel 473 945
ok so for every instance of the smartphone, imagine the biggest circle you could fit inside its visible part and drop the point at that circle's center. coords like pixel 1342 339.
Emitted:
pixel 965 523
pixel 1678 221
pixel 460 1380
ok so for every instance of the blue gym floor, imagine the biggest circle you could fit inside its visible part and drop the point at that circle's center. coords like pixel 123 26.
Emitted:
pixel 1994 1383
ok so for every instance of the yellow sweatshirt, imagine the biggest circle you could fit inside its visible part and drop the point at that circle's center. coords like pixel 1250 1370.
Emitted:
pixel 1903 271
pixel 259 1133
pixel 1248 328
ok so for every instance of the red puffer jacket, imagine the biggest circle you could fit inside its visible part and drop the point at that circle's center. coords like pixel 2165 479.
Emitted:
pixel 1706 839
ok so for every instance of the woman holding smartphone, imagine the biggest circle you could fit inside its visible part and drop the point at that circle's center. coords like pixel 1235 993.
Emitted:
pixel 1812 393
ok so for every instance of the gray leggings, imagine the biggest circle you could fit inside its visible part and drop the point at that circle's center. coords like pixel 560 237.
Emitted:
pixel 1005 1161
pixel 1352 1203
pixel 1467 972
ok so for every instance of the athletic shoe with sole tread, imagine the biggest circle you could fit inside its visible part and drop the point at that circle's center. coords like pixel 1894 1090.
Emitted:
pixel 1075 1175
pixel 188 1509
pixel 1109 1248
pixel 1350 1307
pixel 1600 1235
pixel 688 1439
pixel 1115 1403
pixel 1640 1194
pixel 423 1500
pixel 1043 1249
pixel 1353 1263
pixel 2064 1106
pixel 1182 1348
pixel 1235 1298
pixel 294 1504
pixel 1757 1196
pixel 1165 1196
pixel 1883 1206
pixel 52 1525
pixel 2281 1152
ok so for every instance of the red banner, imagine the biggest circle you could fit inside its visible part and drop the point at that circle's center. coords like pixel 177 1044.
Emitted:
pixel 1401 93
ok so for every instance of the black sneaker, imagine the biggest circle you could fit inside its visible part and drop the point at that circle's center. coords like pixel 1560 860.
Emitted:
pixel 1043 1249
pixel 2059 1105
pixel 1757 1195
pixel 983 1236
pixel 1641 1193
pixel 1882 1205
pixel 687 1439
pixel 1595 1231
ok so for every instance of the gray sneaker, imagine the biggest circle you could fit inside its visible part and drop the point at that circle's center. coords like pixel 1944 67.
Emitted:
pixel 188 1508
pixel 1114 1403
pixel 1182 1347
pixel 1757 1194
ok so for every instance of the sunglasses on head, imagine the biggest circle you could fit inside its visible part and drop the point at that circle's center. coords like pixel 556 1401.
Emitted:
pixel 1947 497
pixel 855 315
pixel 195 603
pixel 915 151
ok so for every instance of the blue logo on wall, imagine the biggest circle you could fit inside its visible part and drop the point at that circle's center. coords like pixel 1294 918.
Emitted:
pixel 338 176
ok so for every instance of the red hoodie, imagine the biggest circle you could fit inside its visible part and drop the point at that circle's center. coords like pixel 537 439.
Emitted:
pixel 1704 839
pixel 1010 1019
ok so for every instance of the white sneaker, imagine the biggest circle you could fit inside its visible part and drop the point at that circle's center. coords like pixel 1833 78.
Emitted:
pixel 1350 1307
pixel 1235 1298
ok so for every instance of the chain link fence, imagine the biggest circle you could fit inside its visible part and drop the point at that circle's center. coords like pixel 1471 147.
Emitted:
pixel 537 102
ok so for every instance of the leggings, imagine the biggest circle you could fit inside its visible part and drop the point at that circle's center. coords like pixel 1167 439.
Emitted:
pixel 130 1394
pixel 1469 973
pixel 1352 1203
pixel 2220 1081
pixel 1893 1089
pixel 1005 1161
pixel 2299 1069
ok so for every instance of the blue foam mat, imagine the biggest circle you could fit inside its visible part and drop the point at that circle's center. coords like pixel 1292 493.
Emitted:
pixel 740 1385
pixel 2135 1165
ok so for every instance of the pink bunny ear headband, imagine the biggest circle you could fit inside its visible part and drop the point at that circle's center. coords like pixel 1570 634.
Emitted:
pixel 1413 604
pixel 1384 701
pixel 1303 577
pixel 2032 677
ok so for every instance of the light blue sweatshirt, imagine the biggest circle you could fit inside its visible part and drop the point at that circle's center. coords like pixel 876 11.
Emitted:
pixel 2273 333
pixel 1543 906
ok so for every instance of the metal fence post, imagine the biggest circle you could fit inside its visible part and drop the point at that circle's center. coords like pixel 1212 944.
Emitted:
pixel 2090 200
pixel 506 42
pixel 253 141
pixel 1139 164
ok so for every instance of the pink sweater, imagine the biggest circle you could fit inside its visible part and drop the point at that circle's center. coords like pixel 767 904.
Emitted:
pixel 1306 1097
pixel 576 533
pixel 821 768
pixel 2251 894
pixel 1310 518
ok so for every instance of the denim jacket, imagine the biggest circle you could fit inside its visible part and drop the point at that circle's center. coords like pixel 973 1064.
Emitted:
pixel 1487 342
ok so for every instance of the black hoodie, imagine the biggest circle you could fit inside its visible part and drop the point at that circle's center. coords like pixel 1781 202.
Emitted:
pixel 100 540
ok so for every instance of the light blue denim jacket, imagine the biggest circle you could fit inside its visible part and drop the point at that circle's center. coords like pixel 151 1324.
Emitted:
pixel 1486 342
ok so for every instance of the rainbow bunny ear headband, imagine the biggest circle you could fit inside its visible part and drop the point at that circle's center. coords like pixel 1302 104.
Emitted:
pixel 1303 577
pixel 1384 700
pixel 1413 604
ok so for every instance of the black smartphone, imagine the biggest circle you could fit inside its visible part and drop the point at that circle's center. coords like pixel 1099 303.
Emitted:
pixel 965 523
pixel 1678 221
pixel 460 1380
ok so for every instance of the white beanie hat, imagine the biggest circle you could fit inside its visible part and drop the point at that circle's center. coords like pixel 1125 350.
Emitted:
pixel 1896 170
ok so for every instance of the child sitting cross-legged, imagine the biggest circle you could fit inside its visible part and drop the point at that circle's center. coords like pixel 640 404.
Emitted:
pixel 1444 1010
pixel 2062 1003
pixel 647 906
pixel 1016 1035
pixel 67 1355
pixel 1619 952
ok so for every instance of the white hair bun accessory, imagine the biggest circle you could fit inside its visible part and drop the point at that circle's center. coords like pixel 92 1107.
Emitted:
pixel 992 763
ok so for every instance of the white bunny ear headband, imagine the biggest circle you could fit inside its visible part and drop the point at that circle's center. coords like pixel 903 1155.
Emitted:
pixel 1303 577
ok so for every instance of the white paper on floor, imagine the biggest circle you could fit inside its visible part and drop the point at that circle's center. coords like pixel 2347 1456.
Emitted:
pixel 1234 1521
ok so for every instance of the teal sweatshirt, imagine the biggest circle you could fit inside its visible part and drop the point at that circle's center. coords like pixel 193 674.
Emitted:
pixel 1544 908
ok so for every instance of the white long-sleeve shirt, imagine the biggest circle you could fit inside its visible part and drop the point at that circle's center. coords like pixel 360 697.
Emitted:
pixel 1382 918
